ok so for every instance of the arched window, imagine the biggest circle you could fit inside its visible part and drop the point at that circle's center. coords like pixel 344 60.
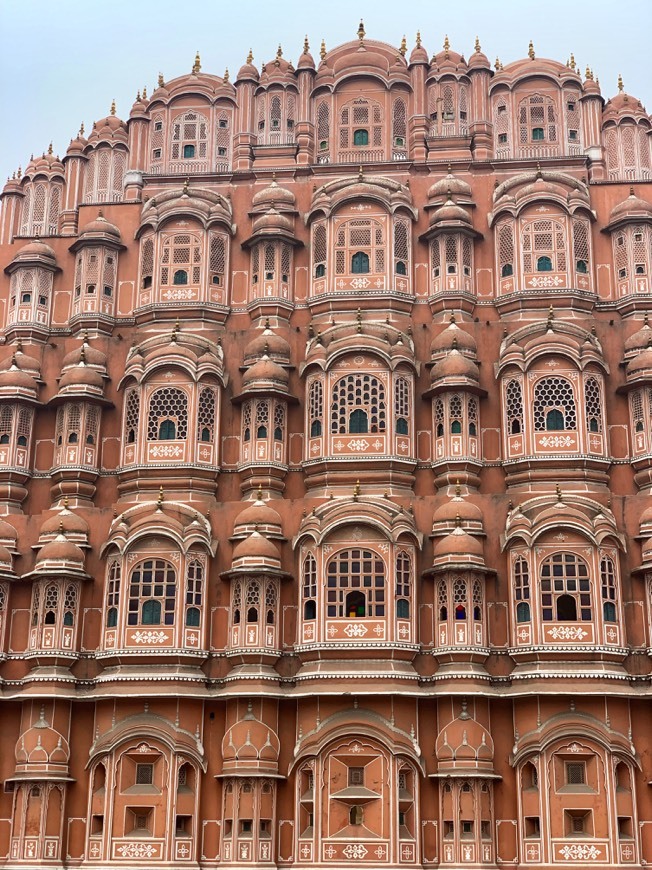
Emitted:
pixel 544 264
pixel 439 418
pixel 180 277
pixel 544 246
pixel 361 137
pixel 181 259
pixel 355 584
pixel 316 408
pixel 565 589
pixel 194 590
pixel 189 137
pixel 460 594
pixel 360 263
pixel 608 587
pixel 401 246
pixel 403 587
pixel 168 415
pixel 522 589
pixel 361 125
pixel 455 414
pixel 514 405
pixel 152 593
pixel 309 587
pixel 188 152
pixel 113 594
pixel 554 405
pixel 358 393
pixel 323 131
pixel 537 118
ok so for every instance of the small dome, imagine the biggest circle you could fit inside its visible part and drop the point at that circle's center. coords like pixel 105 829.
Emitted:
pixel 73 527
pixel 623 105
pixel 455 368
pixel 479 59
pixel 448 60
pixel 48 164
pixel 464 744
pixel 640 364
pixel 306 61
pixel 248 70
pixel 456 510
pixel 77 145
pixel 266 372
pixel 418 53
pixel 6 561
pixel 8 535
pixel 448 186
pixel 91 356
pixel 36 249
pixel 258 516
pixel 640 339
pixel 42 748
pixel 453 337
pixel 458 548
pixel 83 376
pixel 633 208
pixel 274 195
pixel 450 213
pixel 252 744
pixel 100 227
pixel 267 343
pixel 14 378
pixel 255 551
pixel 273 221
pixel 59 554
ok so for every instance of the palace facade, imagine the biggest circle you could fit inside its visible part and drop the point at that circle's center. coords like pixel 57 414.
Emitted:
pixel 325 472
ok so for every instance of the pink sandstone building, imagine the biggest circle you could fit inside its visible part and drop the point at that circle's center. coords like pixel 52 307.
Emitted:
pixel 325 473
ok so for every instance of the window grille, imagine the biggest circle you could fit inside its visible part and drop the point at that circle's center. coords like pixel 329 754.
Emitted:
pixel 581 245
pixel 157 137
pixel 144 774
pixel 435 258
pixel 319 250
pixel 146 260
pixel 355 584
pixel 132 415
pixel 522 589
pixel 358 393
pixel 439 418
pixel 217 259
pixel 189 129
pixel 279 421
pixel 460 595
pixel 537 112
pixel 442 600
pixel 6 423
pixel 309 588
pixel 356 776
pixel 152 593
pixel 323 122
pixel 636 406
pixel 628 144
pixel 576 773
pixel 573 115
pixel 206 415
pixel 113 594
pixel 402 403
pixel 403 575
pixel 455 414
pixel 472 413
pixel 593 405
pixel 399 123
pixel 565 589
pixel 501 128
pixel 608 587
pixel 168 404
pixel 181 254
pixel 554 395
pixel 544 240
pixel 36 603
pixel 262 419
pixel 223 139
pixel 194 589
pixel 24 427
pixel 401 246
pixel 316 408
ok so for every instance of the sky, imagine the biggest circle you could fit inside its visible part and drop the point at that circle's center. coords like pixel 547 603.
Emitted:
pixel 63 62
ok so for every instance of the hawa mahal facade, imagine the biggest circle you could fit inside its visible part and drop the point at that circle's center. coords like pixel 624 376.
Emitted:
pixel 325 472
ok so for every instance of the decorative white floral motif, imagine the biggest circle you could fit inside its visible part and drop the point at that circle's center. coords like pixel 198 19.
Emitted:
pixel 567 632
pixel 355 630
pixel 138 850
pixel 178 294
pixel 557 441
pixel 166 452
pixel 580 852
pixel 149 637
pixel 356 851
pixel 358 444
pixel 360 283
pixel 546 282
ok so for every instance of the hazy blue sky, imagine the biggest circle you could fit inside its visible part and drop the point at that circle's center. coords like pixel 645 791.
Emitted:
pixel 63 62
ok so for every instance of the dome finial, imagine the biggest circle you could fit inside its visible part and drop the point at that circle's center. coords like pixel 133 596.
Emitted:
pixel 250 56
pixel 306 45
pixel 81 129
pixel 279 51
pixel 159 501
pixel 356 490
pixel 259 494
pixel 322 50
pixel 226 75
pixel 161 80
pixel 558 491
pixel 50 147
pixel 138 95
pixel 447 44
pixel 113 107
pixel 418 39
pixel 361 30
pixel 497 65
pixel 530 51
pixel 403 48
pixel 571 62
pixel 478 47
pixel 621 86
pixel 145 92
pixel 196 67
pixel 539 173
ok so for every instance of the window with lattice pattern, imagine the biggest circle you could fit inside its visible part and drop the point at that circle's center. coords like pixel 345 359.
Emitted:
pixel 319 254
pixel 403 585
pixel 194 589
pixel 323 131
pixel 152 593
pixel 315 408
pixel 544 246
pixel 581 253
pixel 113 594
pixel 132 415
pixel 435 258
pixel 105 172
pixel 181 260
pixel 157 137
pixel 355 584
pixel 206 415
pixel 189 136
pixel 168 415
pixel 146 261
pixel 572 113
pixel 41 207
pixel 593 405
pixel 522 589
pixel 402 406
pixel 554 405
pixel 636 410
pixel 502 138
pixel 608 588
pixel 565 589
pixel 361 125
pixel 217 260
pixel 223 139
pixel 399 124
pixel 358 405
pixel 537 118
pixel 309 587
pixel 360 247
pixel 401 246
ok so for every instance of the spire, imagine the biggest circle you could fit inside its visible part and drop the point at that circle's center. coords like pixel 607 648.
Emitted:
pixel 226 75
pixel 403 48
pixel 113 107
pixel 250 56
pixel 361 30
pixel 588 74
pixel 530 51
pixel 571 62
pixel 447 44
pixel 279 51
pixel 159 501
pixel 161 80
pixel 322 50
pixel 356 490
pixel 145 92
pixel 50 145
pixel 621 86
pixel 196 67
pixel 306 45
pixel 497 65
pixel 478 47
pixel 418 39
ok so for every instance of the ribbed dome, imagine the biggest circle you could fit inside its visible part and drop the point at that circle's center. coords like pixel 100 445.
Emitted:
pixel 274 195
pixel 455 366
pixel 450 185
pixel 458 509
pixel 267 343
pixel 40 747
pixel 70 524
pixel 633 208
pixel 265 371
pixel 256 550
pixel 91 357
pixel 252 744
pixel 100 227
pixel 450 212
pixel 15 378
pixel 248 70
pixel 6 561
pixel 479 59
pixel 306 61
pixel 36 249
pixel 640 363
pixel 272 221
pixel 59 553
pixel 84 376
pixel 258 516
pixel 453 337
pixel 466 744
pixel 458 547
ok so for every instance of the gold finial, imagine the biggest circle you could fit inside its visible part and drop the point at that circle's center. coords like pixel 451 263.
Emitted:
pixel 530 51
pixel 306 45
pixel 587 74
pixel 539 173
pixel 226 75
pixel 361 30
pixel 571 62
pixel 447 44
pixel 418 42
pixel 458 521
pixel 50 148
pixel 138 95
pixel 196 67
pixel 403 48
pixel 621 86
pixel 259 494
pixel 20 170
pixel 356 490
pixel 145 92
pixel 65 502
pixel 279 51
pixel 159 501
pixel 322 50
pixel 82 355
pixel 185 185
pixel 81 129
pixel 558 490
pixel 250 56
pixel 497 64
pixel 458 489
pixel 113 107
pixel 161 80
pixel 478 47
